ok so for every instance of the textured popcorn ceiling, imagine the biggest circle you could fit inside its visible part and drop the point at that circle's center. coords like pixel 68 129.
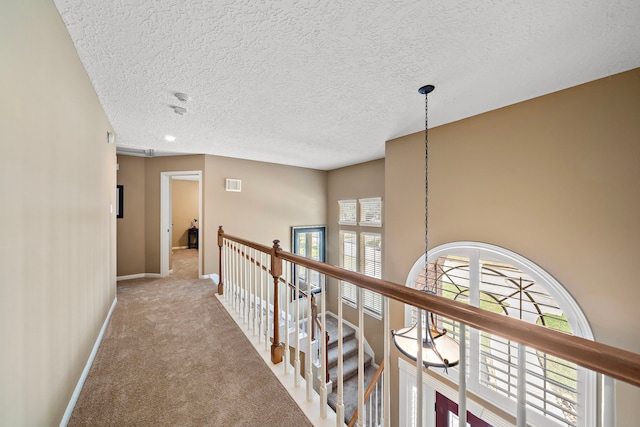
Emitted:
pixel 323 84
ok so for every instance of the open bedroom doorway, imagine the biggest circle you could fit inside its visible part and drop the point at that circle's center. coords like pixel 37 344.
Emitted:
pixel 167 225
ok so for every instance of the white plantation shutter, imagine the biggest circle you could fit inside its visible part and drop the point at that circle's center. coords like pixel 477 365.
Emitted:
pixel 371 212
pixel 371 265
pixel 348 212
pixel 349 261
pixel 555 396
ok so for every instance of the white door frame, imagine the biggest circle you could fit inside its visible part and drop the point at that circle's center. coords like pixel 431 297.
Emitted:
pixel 165 218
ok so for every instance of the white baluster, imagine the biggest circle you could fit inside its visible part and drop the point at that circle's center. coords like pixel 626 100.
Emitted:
pixel 286 265
pixel 234 260
pixel 360 358
pixel 236 272
pixel 247 285
pixel 419 370
pixel 386 396
pixel 323 353
pixel 340 401
pixel 462 377
pixel 296 359
pixel 225 272
pixel 252 282
pixel 229 273
pixel 307 359
pixel 521 412
pixel 260 284
pixel 267 325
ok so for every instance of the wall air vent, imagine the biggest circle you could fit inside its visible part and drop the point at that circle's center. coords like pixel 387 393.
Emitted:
pixel 233 185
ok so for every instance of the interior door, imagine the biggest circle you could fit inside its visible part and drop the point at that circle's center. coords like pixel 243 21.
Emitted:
pixel 447 414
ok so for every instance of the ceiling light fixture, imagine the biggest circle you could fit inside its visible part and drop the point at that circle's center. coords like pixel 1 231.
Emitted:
pixel 183 97
pixel 179 110
pixel 423 341
pixel 170 138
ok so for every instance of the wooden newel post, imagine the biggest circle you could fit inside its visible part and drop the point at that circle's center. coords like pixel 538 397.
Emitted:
pixel 276 272
pixel 220 242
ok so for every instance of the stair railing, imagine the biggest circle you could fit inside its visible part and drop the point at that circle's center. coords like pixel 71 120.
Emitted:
pixel 256 259
pixel 611 362
pixel 372 415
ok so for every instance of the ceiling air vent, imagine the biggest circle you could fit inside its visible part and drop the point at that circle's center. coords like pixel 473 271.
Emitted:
pixel 233 185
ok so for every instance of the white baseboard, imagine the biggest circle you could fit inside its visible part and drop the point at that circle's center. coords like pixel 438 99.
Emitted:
pixel 138 276
pixel 212 276
pixel 179 247
pixel 87 367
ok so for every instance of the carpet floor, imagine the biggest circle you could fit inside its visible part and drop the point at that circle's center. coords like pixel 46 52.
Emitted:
pixel 172 356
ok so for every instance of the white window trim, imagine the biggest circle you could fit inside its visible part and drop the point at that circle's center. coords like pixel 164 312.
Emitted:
pixel 362 203
pixel 353 202
pixel 369 310
pixel 587 409
pixel 345 285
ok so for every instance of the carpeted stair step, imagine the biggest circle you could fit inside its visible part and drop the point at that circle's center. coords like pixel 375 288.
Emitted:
pixel 348 332
pixel 350 392
pixel 349 368
pixel 349 348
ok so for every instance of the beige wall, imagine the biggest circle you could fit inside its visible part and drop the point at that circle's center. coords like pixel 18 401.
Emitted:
pixel 131 239
pixel 554 179
pixel 154 166
pixel 354 182
pixel 184 197
pixel 57 235
pixel 274 198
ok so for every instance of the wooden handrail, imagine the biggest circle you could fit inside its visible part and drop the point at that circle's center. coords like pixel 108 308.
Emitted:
pixel 367 393
pixel 612 361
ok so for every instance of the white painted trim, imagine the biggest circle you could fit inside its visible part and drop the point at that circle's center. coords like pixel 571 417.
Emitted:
pixel 76 393
pixel 165 220
pixel 179 247
pixel 138 276
pixel 212 276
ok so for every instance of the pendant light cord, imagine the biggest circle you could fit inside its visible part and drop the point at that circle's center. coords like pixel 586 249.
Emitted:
pixel 426 90
pixel 426 188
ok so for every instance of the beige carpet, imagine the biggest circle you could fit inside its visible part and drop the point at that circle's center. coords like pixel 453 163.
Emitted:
pixel 172 356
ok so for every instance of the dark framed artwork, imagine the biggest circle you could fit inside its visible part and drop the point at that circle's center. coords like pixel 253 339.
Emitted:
pixel 119 201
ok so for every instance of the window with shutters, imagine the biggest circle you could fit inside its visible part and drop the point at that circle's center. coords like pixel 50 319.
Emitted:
pixel 371 212
pixel 349 261
pixel 371 265
pixel 558 393
pixel 348 212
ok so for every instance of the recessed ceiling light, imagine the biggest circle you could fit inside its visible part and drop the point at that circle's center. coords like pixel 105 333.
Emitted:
pixel 170 138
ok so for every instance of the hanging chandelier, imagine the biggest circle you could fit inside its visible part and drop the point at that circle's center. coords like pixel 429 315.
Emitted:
pixel 423 341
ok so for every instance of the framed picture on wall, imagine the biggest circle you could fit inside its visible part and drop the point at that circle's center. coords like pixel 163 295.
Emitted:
pixel 119 201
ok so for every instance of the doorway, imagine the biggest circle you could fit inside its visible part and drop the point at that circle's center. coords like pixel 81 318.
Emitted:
pixel 166 227
pixel 447 414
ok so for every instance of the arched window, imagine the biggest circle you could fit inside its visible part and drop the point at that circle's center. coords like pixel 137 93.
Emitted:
pixel 558 393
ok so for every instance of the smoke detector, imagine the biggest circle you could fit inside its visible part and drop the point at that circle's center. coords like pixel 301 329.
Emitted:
pixel 183 97
pixel 179 110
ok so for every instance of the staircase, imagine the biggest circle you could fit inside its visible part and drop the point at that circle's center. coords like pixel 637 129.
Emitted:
pixel 349 369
